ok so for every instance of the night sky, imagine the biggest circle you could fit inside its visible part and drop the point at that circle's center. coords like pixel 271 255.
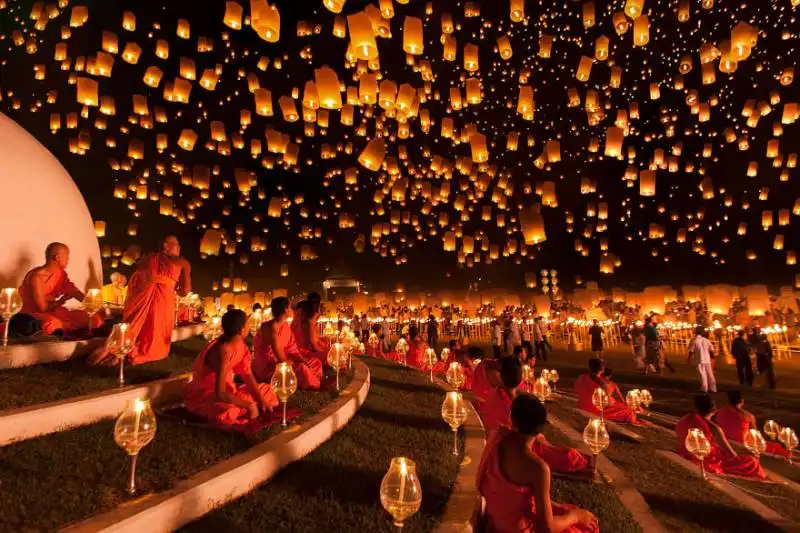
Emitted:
pixel 412 252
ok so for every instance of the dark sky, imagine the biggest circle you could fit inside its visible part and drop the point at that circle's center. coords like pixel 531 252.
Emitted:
pixel 663 124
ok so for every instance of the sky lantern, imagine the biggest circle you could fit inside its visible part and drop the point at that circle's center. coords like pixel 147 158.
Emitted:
pixel 327 83
pixel 78 16
pixel 263 102
pixel 413 42
pixel 545 45
pixel 641 31
pixel 373 155
pixel 477 143
pixel 334 6
pixel 588 12
pixel 87 90
pixel 614 139
pixel 211 242
pixel 601 48
pixel 647 183
pixel 633 8
pixel 584 68
pixel 233 15
pixel 362 38
pixel 504 47
pixel 183 29
pixel 532 225
pixel 470 57
pixel 265 20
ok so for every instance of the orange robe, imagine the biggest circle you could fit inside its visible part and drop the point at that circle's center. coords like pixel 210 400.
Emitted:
pixel 616 411
pixel 510 508
pixel 200 396
pixel 150 308
pixel 496 413
pixel 67 320
pixel 416 355
pixel 484 379
pixel 308 371
pixel 736 426
pixel 301 325
pixel 716 461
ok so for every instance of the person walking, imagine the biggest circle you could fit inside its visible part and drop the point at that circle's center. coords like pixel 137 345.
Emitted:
pixel 539 340
pixel 433 331
pixel 741 354
pixel 701 353
pixel 596 333
pixel 764 362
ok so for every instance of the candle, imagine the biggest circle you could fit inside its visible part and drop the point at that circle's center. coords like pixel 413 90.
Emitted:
pixel 403 474
pixel 138 407
pixel 283 376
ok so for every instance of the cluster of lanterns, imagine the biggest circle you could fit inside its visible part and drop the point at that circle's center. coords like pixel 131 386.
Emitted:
pixel 440 144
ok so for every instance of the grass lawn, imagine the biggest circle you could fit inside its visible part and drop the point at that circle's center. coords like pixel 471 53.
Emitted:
pixel 680 501
pixel 58 479
pixel 335 489
pixel 51 382
pixel 599 498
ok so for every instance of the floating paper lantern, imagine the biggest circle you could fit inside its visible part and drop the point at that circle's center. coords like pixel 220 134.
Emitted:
pixel 362 38
pixel 373 155
pixel 265 20
pixel 647 183
pixel 413 42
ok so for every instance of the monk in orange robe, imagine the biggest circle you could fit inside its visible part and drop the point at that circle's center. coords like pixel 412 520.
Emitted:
pixel 485 379
pixel 212 393
pixel 416 350
pixel 46 289
pixel 496 413
pixel 274 343
pixel 736 423
pixel 304 328
pixel 150 305
pixel 515 482
pixel 722 459
pixel 585 386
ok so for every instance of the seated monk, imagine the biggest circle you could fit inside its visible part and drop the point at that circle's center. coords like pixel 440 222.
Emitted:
pixel 212 393
pixel 496 413
pixel 585 386
pixel 611 387
pixel 485 378
pixel 115 292
pixel 515 482
pixel 722 459
pixel 456 355
pixel 304 328
pixel 736 423
pixel 46 289
pixel 150 306
pixel 274 343
pixel 416 350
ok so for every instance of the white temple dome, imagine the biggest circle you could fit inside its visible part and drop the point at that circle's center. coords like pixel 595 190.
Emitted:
pixel 40 204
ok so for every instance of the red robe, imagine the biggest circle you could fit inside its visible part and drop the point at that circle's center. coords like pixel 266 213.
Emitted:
pixel 510 508
pixel 616 411
pixel 150 308
pixel 496 413
pixel 716 461
pixel 301 327
pixel 736 425
pixel 307 369
pixel 57 285
pixel 200 397
pixel 457 357
pixel 484 379
pixel 416 355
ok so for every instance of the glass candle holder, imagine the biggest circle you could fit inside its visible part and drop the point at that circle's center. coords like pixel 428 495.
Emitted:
pixel 135 428
pixel 697 444
pixel 454 412
pixel 284 384
pixel 10 305
pixel 455 375
pixel 401 492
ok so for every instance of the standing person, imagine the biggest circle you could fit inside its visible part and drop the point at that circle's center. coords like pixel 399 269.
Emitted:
pixel 653 348
pixel 596 333
pixel 385 334
pixel 364 327
pixel 539 341
pixel 357 327
pixel 741 353
pixel 514 337
pixel 433 331
pixel 638 341
pixel 497 339
pixel 701 353
pixel 764 362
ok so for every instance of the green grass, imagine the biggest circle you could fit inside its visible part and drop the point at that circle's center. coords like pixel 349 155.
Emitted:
pixel 680 501
pixel 335 489
pixel 58 479
pixel 599 498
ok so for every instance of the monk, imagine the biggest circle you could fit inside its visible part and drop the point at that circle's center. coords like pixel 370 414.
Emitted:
pixel 416 350
pixel 722 459
pixel 496 413
pixel 515 482
pixel 114 293
pixel 304 328
pixel 212 393
pixel 46 289
pixel 585 386
pixel 274 343
pixel 485 378
pixel 457 355
pixel 735 422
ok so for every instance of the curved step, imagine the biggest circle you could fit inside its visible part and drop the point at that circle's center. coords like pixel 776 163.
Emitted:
pixel 37 420
pixel 19 355
pixel 234 477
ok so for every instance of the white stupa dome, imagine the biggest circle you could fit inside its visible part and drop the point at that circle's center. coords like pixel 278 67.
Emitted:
pixel 40 204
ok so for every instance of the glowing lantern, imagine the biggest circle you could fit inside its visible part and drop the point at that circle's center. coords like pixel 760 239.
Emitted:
pixel 517 8
pixel 641 31
pixel 470 57
pixel 328 88
pixel 614 138
pixel 477 144
pixel 211 242
pixel 362 38
pixel 413 42
pixel 233 15
pixel 584 68
pixel 532 225
pixel 335 6
pixel 265 20
pixel 87 91
pixel 504 47
pixel 633 8
pixel 647 183
pixel 187 140
pixel 373 155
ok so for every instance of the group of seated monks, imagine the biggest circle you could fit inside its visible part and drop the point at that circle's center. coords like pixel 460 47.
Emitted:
pixel 599 376
pixel 213 394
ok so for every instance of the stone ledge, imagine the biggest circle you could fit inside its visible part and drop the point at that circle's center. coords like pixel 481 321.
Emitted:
pixel 37 420
pixel 19 355
pixel 234 477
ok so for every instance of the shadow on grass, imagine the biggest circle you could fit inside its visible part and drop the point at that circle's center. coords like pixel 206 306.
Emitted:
pixel 405 386
pixel 403 420
pixel 708 515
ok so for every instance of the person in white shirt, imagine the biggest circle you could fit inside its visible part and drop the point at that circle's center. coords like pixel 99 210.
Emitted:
pixel 701 352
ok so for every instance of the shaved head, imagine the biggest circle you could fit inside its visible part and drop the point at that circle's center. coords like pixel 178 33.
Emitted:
pixel 54 249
